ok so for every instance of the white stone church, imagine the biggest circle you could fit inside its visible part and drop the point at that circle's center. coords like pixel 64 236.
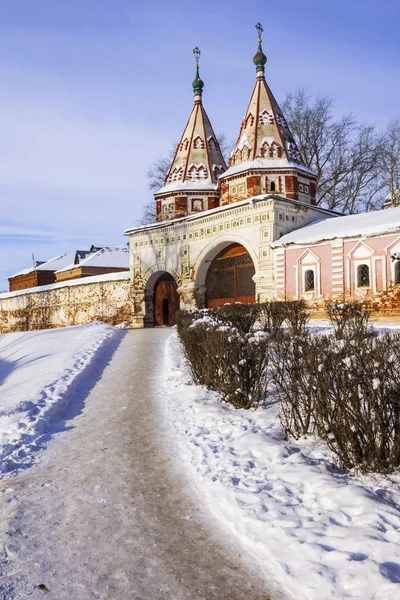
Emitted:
pixel 211 243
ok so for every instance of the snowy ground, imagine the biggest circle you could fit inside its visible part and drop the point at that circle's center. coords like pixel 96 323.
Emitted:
pixel 38 372
pixel 318 532
pixel 105 514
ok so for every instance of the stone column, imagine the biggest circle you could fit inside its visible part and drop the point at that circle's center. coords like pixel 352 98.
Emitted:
pixel 265 290
pixel 137 295
pixel 191 296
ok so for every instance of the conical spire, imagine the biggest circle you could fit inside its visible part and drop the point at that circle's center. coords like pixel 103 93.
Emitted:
pixel 264 132
pixel 265 147
pixel 198 160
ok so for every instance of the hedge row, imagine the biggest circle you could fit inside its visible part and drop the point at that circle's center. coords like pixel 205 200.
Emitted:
pixel 342 387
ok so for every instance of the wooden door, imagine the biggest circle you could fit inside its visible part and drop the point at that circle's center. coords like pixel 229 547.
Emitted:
pixel 166 301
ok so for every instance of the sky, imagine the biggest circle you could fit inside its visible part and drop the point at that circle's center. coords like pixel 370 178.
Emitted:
pixel 93 91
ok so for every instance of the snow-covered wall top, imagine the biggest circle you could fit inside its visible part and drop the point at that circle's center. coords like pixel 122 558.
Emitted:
pixel 72 282
pixel 372 223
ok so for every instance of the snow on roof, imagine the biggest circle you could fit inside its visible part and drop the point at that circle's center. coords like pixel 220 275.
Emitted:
pixel 371 223
pixel 176 186
pixel 264 163
pixel 120 276
pixel 110 256
pixel 53 264
pixel 56 263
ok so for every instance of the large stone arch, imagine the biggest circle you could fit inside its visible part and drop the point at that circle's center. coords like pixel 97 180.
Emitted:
pixel 158 287
pixel 211 250
pixel 233 264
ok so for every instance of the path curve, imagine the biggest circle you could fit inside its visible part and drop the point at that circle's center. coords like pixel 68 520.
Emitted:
pixel 105 514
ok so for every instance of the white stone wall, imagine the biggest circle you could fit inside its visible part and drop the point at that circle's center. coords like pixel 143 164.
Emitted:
pixel 101 298
pixel 186 247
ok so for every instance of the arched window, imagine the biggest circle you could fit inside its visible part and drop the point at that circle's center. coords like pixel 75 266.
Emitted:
pixel 272 186
pixel 309 281
pixel 197 205
pixel 397 272
pixel 245 153
pixel 198 142
pixel 249 120
pixel 363 276
pixel 184 144
pixel 237 156
pixel 264 149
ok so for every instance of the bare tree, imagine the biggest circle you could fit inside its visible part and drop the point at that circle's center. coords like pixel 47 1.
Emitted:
pixel 158 171
pixel 343 153
pixel 390 156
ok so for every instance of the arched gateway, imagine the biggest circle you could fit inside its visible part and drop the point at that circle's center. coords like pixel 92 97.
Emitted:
pixel 165 300
pixel 230 277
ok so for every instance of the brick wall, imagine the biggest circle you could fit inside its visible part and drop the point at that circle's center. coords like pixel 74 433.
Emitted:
pixel 60 305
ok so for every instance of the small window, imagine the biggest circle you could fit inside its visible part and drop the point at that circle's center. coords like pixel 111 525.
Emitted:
pixel 197 205
pixel 301 188
pixel 397 272
pixel 363 276
pixel 309 281
pixel 272 186
pixel 280 216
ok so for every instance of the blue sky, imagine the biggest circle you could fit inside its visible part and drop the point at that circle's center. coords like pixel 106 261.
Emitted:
pixel 94 90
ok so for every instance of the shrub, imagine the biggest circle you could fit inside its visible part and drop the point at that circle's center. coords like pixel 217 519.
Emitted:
pixel 346 392
pixel 231 359
pixel 271 316
pixel 350 319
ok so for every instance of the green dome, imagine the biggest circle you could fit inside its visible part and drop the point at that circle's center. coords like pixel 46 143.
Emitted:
pixel 260 59
pixel 198 84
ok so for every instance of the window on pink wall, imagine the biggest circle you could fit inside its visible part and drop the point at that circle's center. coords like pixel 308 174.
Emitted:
pixel 397 272
pixel 309 281
pixel 363 279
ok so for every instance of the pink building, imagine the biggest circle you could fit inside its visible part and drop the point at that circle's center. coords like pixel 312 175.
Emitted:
pixel 349 257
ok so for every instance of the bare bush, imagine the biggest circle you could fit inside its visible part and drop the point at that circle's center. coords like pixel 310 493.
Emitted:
pixel 290 375
pixel 350 320
pixel 271 316
pixel 346 392
pixel 296 317
pixel 233 360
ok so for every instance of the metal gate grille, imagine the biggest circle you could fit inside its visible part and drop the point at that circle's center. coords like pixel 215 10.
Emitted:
pixel 229 278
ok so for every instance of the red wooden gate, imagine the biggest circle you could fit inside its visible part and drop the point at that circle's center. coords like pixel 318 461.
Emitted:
pixel 166 300
pixel 230 278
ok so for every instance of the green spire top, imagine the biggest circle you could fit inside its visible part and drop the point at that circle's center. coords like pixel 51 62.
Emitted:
pixel 260 59
pixel 197 84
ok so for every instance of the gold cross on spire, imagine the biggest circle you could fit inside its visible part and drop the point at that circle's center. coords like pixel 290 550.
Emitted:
pixel 260 30
pixel 196 53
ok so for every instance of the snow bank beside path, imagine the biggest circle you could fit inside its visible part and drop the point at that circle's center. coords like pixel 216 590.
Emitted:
pixel 38 370
pixel 319 533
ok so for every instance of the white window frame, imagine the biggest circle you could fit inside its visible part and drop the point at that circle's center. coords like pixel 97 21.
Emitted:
pixel 368 263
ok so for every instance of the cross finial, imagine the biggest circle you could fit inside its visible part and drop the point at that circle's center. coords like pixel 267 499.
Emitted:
pixel 260 30
pixel 196 53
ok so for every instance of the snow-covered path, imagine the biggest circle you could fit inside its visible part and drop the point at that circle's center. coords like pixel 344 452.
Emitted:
pixel 105 514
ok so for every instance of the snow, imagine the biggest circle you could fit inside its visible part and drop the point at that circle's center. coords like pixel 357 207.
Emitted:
pixel 38 372
pixel 51 265
pixel 371 223
pixel 109 256
pixel 318 532
pixel 176 186
pixel 120 276
pixel 265 163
